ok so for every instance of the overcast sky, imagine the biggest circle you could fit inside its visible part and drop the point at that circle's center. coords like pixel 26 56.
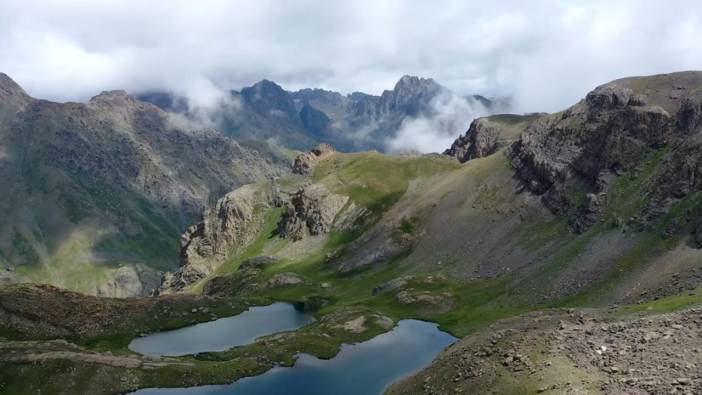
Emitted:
pixel 546 54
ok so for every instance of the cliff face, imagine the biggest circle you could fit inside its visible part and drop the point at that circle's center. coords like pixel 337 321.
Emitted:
pixel 231 224
pixel 487 135
pixel 97 193
pixel 570 158
pixel 310 211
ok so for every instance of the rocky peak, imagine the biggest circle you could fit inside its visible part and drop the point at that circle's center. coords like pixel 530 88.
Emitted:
pixel 610 97
pixel 487 135
pixel 270 100
pixel 305 162
pixel 410 96
pixel 480 140
pixel 9 89
pixel 117 98
pixel 568 157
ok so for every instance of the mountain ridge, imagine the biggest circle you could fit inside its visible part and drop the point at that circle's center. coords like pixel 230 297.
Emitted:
pixel 109 184
pixel 353 122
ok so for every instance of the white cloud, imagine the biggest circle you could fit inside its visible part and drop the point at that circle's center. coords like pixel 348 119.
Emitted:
pixel 435 133
pixel 547 54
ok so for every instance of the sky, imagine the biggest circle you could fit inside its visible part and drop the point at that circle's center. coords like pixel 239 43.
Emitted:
pixel 544 54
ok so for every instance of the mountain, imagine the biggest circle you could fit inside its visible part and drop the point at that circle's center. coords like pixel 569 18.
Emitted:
pixel 593 206
pixel 564 249
pixel 96 194
pixel 301 119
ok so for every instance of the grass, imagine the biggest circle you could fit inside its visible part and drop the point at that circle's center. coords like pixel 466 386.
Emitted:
pixel 376 181
pixel 264 236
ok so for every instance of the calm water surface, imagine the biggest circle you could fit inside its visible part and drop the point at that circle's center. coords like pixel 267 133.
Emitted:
pixel 364 368
pixel 224 333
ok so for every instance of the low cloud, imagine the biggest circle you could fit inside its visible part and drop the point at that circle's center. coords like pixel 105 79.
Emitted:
pixel 544 54
pixel 450 117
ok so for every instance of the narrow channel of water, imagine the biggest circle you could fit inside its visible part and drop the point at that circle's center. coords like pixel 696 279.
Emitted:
pixel 365 368
pixel 224 333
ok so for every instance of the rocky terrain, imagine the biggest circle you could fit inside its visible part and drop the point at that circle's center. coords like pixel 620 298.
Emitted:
pixel 562 248
pixel 301 119
pixel 574 352
pixel 571 157
pixel 487 135
pixel 97 193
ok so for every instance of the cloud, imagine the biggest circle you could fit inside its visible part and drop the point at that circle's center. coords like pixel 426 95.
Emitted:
pixel 434 133
pixel 545 54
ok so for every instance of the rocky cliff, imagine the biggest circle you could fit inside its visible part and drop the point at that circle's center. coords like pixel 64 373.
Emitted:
pixel 570 158
pixel 487 135
pixel 305 162
pixel 231 224
pixel 310 211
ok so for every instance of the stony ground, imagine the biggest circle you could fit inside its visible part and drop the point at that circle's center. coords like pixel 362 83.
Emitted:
pixel 572 352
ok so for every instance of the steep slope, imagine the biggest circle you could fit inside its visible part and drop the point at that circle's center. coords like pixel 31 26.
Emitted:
pixel 301 119
pixel 97 193
pixel 487 135
pixel 585 207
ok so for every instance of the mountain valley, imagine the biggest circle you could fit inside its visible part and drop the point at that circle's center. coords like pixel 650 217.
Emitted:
pixel 563 249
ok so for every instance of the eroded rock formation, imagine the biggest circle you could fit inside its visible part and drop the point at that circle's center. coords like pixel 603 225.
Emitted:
pixel 304 162
pixel 311 211
pixel 570 158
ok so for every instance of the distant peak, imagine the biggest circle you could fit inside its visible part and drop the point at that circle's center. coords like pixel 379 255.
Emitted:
pixel 413 83
pixel 412 79
pixel 113 97
pixel 8 87
pixel 265 83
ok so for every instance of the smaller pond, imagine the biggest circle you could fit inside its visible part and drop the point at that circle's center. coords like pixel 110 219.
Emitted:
pixel 224 333
pixel 359 369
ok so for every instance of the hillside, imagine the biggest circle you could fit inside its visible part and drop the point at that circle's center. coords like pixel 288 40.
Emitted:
pixel 537 239
pixel 604 187
pixel 593 206
pixel 96 194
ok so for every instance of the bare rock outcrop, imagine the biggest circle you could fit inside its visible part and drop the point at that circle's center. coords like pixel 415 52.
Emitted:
pixel 568 157
pixel 487 135
pixel 305 162
pixel 232 223
pixel 311 211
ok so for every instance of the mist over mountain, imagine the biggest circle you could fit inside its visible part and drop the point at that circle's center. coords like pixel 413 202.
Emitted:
pixel 358 198
pixel 418 114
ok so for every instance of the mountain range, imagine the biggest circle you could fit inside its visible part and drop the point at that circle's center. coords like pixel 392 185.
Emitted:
pixel 265 112
pixel 564 249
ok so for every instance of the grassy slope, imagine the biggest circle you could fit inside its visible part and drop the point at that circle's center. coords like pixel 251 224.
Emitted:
pixel 377 182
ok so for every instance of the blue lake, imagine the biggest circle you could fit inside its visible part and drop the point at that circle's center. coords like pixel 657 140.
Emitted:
pixel 364 368
pixel 224 333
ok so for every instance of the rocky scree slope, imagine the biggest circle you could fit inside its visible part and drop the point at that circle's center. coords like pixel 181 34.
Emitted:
pixel 571 352
pixel 95 194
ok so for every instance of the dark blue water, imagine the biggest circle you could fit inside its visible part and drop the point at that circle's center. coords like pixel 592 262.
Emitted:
pixel 224 333
pixel 365 368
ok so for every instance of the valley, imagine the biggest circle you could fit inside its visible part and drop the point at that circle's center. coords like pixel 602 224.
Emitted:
pixel 563 250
